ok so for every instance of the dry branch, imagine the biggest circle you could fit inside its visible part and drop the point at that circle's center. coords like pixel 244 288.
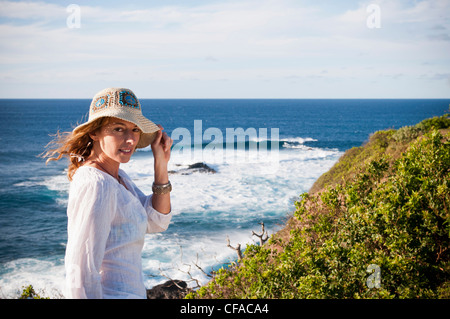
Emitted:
pixel 263 236
pixel 237 248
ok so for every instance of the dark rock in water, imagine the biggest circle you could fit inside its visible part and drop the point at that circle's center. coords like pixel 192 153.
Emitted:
pixel 172 289
pixel 195 168
pixel 201 167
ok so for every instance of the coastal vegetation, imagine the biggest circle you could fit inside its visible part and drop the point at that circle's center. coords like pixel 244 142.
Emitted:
pixel 375 226
pixel 30 293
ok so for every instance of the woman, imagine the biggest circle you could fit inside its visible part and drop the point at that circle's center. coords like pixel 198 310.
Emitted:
pixel 108 215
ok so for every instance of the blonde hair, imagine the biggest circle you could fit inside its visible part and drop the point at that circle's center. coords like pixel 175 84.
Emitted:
pixel 77 146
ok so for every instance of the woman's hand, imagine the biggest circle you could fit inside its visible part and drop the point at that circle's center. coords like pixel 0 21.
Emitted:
pixel 161 146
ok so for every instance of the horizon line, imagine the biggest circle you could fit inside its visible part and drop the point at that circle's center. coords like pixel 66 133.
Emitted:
pixel 238 98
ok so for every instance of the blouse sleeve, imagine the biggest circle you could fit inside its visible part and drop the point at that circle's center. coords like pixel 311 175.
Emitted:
pixel 91 209
pixel 156 221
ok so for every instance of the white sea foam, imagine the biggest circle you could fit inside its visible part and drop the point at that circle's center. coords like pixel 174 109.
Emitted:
pixel 300 140
pixel 46 277
pixel 54 182
pixel 58 183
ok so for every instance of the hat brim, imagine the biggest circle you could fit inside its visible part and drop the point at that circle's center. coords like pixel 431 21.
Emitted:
pixel 148 128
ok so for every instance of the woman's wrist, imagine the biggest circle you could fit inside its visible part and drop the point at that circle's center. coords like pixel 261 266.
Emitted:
pixel 161 173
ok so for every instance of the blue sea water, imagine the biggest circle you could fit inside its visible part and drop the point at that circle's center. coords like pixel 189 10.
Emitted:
pixel 310 136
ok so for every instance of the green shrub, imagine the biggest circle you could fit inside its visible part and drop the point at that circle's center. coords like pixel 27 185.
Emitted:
pixel 353 159
pixel 30 293
pixel 406 133
pixel 437 122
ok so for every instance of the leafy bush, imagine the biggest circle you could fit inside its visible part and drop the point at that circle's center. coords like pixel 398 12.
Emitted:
pixel 30 293
pixel 406 133
pixel 409 133
pixel 353 159
pixel 392 217
pixel 437 122
pixel 392 142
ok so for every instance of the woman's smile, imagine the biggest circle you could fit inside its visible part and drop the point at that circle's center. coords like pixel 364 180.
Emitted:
pixel 126 151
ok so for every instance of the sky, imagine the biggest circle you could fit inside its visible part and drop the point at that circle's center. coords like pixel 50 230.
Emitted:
pixel 226 49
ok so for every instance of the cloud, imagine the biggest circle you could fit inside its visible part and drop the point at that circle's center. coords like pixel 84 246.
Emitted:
pixel 28 10
pixel 238 29
pixel 282 40
pixel 440 37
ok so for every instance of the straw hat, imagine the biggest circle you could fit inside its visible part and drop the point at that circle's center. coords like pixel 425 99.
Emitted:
pixel 123 104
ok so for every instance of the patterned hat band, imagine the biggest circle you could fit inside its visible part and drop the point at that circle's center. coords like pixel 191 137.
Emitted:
pixel 116 98
pixel 123 104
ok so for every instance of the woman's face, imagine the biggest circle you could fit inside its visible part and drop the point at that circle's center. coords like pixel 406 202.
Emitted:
pixel 117 140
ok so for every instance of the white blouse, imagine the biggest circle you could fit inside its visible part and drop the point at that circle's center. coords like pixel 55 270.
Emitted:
pixel 106 227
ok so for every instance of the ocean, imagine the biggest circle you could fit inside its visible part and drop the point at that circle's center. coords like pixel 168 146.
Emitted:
pixel 263 153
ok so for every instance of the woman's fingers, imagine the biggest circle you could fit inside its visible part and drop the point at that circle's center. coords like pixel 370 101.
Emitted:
pixel 159 135
pixel 163 139
pixel 166 141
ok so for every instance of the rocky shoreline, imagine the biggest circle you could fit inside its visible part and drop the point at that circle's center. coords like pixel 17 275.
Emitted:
pixel 194 168
pixel 171 289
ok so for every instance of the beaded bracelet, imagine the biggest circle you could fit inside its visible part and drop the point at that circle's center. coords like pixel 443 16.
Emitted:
pixel 162 189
